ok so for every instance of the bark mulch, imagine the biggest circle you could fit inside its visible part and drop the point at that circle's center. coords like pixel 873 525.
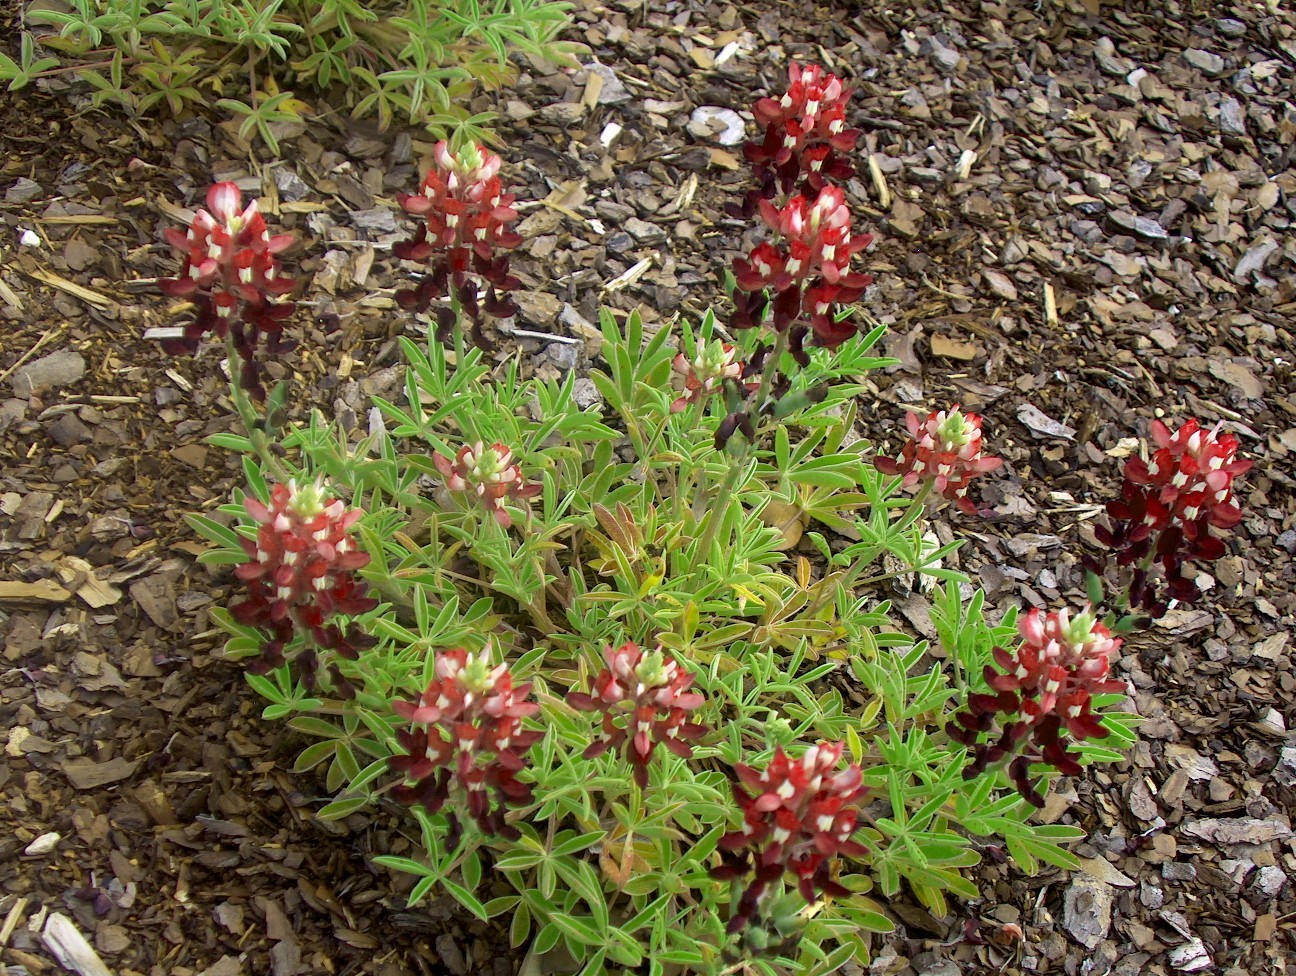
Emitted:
pixel 1084 222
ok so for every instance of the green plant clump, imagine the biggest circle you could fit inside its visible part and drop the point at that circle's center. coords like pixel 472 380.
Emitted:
pixel 258 60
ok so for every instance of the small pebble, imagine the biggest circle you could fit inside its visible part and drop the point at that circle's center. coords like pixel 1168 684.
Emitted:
pixel 43 844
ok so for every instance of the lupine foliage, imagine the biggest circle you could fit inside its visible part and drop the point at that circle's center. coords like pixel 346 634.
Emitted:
pixel 502 636
pixel 416 61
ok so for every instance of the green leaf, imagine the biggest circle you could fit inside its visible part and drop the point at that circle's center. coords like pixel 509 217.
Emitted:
pixel 405 864
pixel 466 898
pixel 313 755
pixel 310 725
pixel 579 843
pixel 212 530
pixel 547 938
pixel 340 809
pixel 578 927
pixel 264 687
pixel 520 927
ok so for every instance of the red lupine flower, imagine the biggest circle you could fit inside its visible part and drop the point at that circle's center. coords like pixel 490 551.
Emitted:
pixel 1166 510
pixel 817 237
pixel 466 218
pixel 301 572
pixel 1193 470
pixel 763 267
pixel 805 133
pixel 472 738
pixel 650 691
pixel 815 103
pixel 808 271
pixel 232 276
pixel 706 373
pixel 797 814
pixel 1045 687
pixel 1060 664
pixel 946 448
pixel 490 473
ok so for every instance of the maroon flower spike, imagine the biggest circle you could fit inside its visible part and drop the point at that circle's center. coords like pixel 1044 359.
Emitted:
pixel 797 814
pixel 1045 687
pixel 489 473
pixel 649 690
pixel 232 277
pixel 471 740
pixel 466 223
pixel 945 449
pixel 807 271
pixel 1167 508
pixel 805 134
pixel 301 572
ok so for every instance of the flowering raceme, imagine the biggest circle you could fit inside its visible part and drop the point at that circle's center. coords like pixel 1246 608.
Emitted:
pixel 1192 472
pixel 805 134
pixel 301 572
pixel 1167 507
pixel 807 271
pixel 465 223
pixel 488 473
pixel 232 276
pixel 471 738
pixel 797 814
pixel 651 691
pixel 1045 687
pixel 945 449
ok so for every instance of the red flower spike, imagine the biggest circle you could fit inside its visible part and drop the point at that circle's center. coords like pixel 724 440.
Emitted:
pixel 651 691
pixel 232 276
pixel 808 271
pixel 805 133
pixel 706 373
pixel 301 571
pixel 946 448
pixel 1167 507
pixel 489 473
pixel 797 814
pixel 466 219
pixel 1046 686
pixel 472 739
pixel 1193 471
pixel 817 238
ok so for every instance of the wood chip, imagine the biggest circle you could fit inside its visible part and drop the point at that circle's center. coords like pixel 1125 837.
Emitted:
pixel 86 774
pixel 41 591
pixel 66 944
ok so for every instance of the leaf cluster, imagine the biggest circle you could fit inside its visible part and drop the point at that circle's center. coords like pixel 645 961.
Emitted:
pixel 416 61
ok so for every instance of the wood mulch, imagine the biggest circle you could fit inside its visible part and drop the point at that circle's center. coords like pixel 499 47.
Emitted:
pixel 1084 220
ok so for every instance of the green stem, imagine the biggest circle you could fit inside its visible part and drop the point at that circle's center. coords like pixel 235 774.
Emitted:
pixel 719 505
pixel 720 502
pixel 250 417
pixel 1122 601
pixel 916 506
